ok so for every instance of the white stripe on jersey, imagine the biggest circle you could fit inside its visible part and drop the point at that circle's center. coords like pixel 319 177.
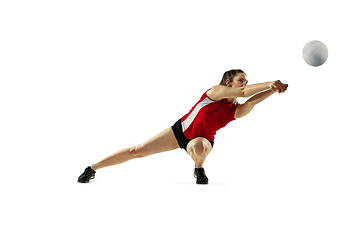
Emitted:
pixel 185 124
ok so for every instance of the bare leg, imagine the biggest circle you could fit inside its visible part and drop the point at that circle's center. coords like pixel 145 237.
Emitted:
pixel 164 141
pixel 198 149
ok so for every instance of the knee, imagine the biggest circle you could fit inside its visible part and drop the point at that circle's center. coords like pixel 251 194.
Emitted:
pixel 137 151
pixel 199 149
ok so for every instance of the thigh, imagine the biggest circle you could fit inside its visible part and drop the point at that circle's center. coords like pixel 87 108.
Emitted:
pixel 199 143
pixel 162 142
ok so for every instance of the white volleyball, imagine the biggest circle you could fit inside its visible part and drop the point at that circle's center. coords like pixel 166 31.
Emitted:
pixel 315 53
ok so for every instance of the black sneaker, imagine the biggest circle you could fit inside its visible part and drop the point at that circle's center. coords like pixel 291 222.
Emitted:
pixel 200 176
pixel 88 174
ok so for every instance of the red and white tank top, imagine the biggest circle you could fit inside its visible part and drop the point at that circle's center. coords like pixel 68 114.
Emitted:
pixel 206 117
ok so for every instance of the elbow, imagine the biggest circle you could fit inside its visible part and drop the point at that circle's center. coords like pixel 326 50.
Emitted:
pixel 243 92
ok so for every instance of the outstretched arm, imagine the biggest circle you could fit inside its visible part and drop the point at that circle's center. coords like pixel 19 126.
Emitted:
pixel 256 88
pixel 243 109
pixel 259 97
pixel 276 86
pixel 220 92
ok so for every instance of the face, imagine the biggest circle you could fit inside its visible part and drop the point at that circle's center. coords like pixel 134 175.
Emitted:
pixel 239 81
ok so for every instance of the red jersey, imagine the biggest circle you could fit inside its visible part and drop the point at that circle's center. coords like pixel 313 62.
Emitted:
pixel 206 117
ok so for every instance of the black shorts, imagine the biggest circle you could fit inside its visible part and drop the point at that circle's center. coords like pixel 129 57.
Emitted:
pixel 180 137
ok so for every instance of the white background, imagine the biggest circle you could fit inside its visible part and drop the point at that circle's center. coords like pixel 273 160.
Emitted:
pixel 81 80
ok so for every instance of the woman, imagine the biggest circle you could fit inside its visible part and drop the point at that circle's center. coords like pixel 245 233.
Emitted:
pixel 195 131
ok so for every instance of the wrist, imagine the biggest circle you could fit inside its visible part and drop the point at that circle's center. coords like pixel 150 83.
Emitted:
pixel 271 84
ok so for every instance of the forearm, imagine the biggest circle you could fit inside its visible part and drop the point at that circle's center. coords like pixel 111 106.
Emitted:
pixel 256 88
pixel 259 97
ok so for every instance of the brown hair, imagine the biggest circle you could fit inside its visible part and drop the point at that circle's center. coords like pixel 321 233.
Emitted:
pixel 230 75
